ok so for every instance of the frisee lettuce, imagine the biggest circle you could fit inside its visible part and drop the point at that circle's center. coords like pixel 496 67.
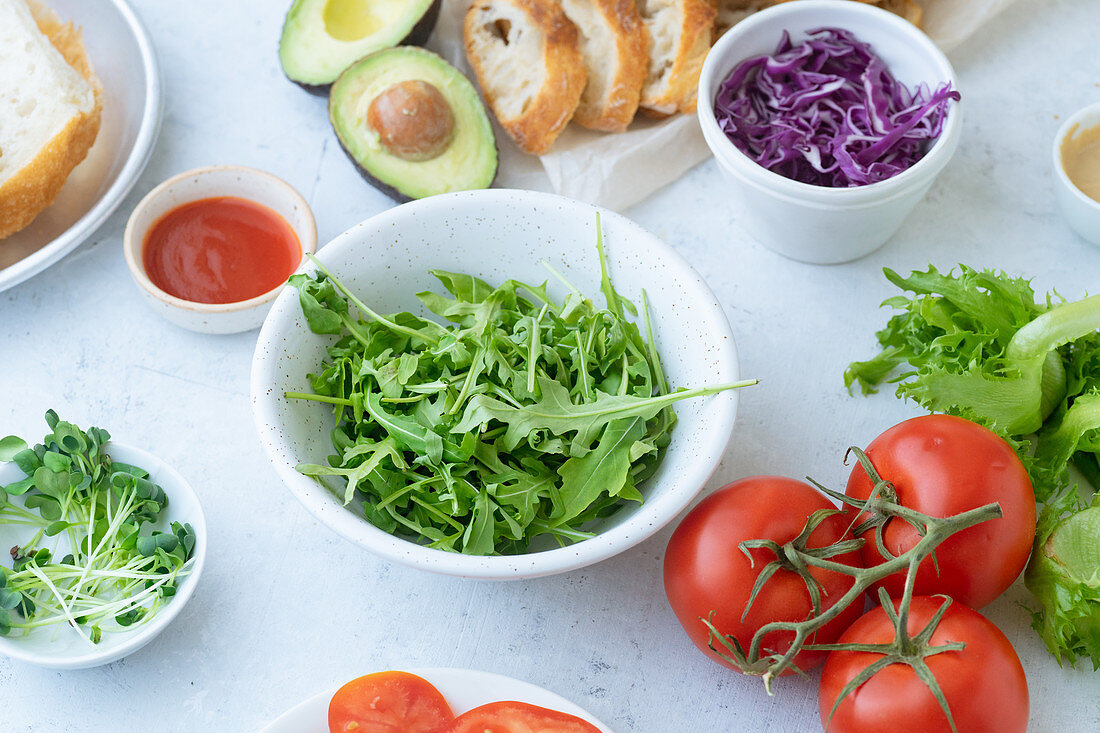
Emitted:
pixel 980 345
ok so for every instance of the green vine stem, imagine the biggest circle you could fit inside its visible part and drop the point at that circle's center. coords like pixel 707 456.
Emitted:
pixel 881 507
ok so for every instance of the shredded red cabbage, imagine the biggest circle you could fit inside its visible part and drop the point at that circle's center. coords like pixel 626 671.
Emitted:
pixel 828 112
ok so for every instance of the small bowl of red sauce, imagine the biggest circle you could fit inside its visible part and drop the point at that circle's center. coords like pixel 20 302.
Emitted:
pixel 212 247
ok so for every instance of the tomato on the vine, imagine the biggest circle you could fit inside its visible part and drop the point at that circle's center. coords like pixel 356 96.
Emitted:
pixel 385 702
pixel 943 465
pixel 706 570
pixel 983 684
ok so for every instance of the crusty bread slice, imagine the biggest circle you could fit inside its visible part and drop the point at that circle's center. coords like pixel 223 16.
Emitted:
pixel 49 109
pixel 679 38
pixel 615 46
pixel 527 57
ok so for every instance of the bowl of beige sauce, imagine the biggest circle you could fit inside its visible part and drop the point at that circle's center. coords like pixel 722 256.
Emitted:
pixel 1077 172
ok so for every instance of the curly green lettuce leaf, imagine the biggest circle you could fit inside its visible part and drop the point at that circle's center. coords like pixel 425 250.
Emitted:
pixel 978 346
pixel 1064 575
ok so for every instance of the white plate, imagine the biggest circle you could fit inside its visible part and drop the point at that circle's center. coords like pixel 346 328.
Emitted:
pixel 464 689
pixel 122 56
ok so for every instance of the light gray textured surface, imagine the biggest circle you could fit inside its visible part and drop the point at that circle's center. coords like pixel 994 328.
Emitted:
pixel 287 609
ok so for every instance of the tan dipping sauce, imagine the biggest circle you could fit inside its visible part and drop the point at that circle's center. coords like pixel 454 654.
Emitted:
pixel 1081 159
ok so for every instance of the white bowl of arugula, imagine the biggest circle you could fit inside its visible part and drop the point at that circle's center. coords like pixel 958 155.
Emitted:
pixel 476 421
pixel 106 541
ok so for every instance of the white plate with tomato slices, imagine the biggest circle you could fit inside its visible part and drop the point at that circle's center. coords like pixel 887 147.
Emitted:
pixel 463 689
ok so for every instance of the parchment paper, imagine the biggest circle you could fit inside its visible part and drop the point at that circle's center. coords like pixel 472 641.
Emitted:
pixel 620 170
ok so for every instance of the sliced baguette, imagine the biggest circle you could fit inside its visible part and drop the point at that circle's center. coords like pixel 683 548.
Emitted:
pixel 679 38
pixel 527 58
pixel 615 46
pixel 49 109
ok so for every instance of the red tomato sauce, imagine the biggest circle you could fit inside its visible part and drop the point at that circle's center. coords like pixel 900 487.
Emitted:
pixel 220 250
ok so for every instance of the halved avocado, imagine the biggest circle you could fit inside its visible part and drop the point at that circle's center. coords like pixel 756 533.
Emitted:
pixel 321 38
pixel 413 124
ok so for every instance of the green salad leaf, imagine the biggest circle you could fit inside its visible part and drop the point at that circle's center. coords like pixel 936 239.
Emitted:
pixel 978 344
pixel 513 416
pixel 1064 574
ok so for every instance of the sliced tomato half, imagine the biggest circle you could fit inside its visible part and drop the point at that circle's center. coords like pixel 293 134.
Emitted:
pixel 388 702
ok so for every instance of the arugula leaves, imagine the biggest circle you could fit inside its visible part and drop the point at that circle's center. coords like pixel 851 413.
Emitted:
pixel 117 572
pixel 520 417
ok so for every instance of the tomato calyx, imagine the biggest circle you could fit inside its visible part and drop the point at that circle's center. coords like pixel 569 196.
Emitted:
pixel 795 556
pixel 912 651
pixel 791 556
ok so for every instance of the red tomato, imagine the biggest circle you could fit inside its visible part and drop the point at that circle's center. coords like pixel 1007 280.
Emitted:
pixel 984 684
pixel 705 569
pixel 518 717
pixel 942 465
pixel 388 702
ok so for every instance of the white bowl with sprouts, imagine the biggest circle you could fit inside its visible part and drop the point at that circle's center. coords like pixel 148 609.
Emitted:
pixel 57 644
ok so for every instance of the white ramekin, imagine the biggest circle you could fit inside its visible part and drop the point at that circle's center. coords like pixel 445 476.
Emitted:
pixel 220 180
pixel 818 224
pixel 1082 212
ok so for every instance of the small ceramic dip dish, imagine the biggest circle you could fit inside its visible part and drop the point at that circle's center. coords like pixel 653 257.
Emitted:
pixel 825 221
pixel 212 247
pixel 1077 171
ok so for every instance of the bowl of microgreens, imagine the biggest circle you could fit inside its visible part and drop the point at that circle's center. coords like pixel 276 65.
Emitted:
pixel 496 384
pixel 106 545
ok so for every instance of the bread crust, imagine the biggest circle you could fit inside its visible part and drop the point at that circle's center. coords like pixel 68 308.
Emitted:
pixel 539 125
pixel 34 187
pixel 696 28
pixel 616 111
pixel 907 9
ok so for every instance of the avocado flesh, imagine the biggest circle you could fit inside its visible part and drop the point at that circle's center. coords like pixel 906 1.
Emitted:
pixel 468 162
pixel 321 38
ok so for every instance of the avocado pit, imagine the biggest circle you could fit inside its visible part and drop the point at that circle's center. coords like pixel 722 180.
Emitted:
pixel 413 120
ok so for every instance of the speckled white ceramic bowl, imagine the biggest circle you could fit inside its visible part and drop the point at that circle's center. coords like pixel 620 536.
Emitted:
pixel 201 183
pixel 499 234
pixel 58 646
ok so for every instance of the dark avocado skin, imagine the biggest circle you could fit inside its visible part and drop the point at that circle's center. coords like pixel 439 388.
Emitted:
pixel 418 36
